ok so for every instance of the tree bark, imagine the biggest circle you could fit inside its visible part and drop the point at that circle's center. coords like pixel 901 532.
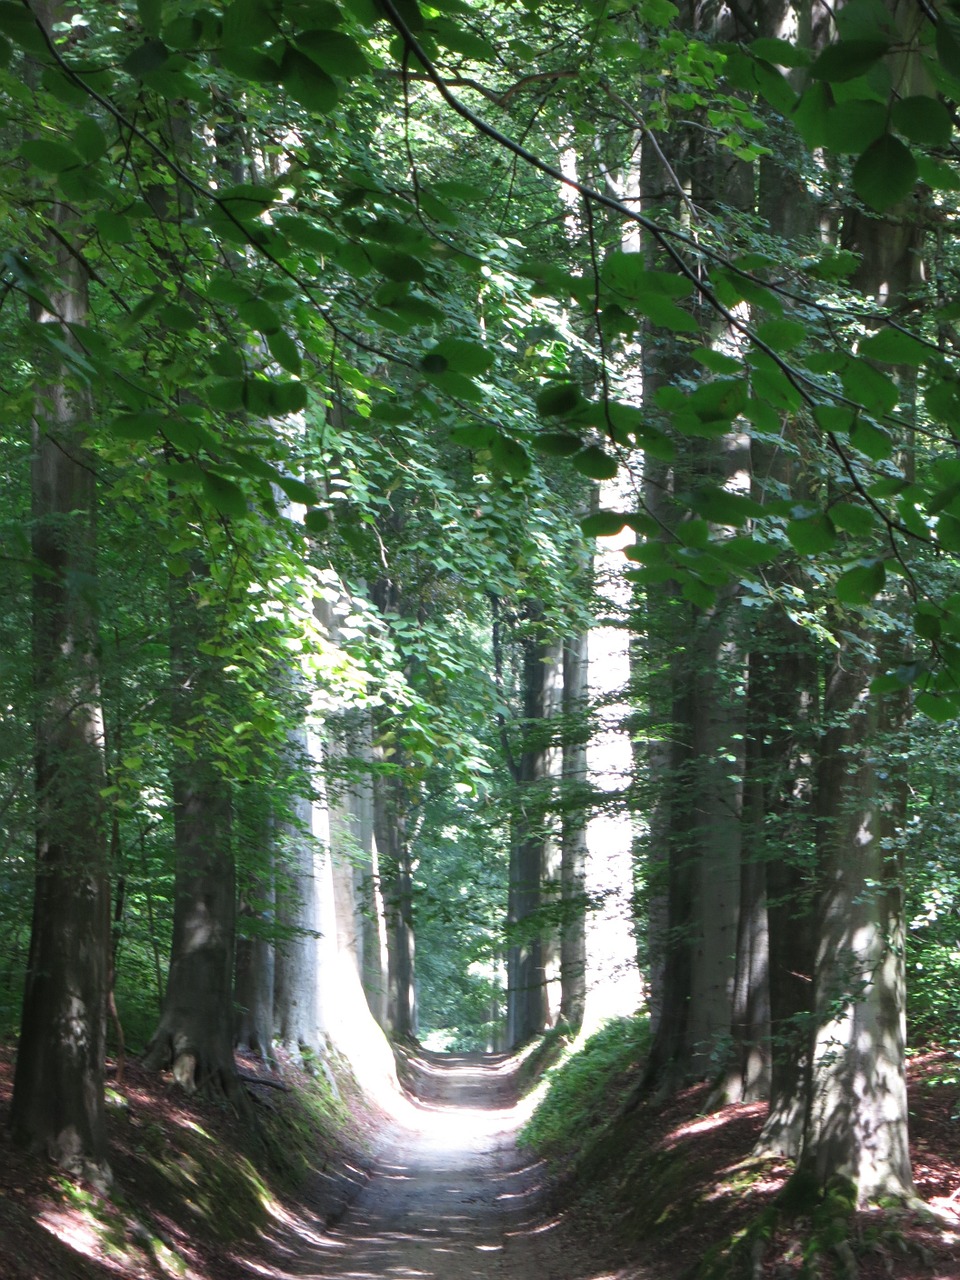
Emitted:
pixel 58 1088
pixel 396 880
pixel 296 969
pixel 528 1010
pixel 194 1037
pixel 256 959
pixel 573 840
pixel 856 1118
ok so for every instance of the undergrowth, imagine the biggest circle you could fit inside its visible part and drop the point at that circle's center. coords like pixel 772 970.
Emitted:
pixel 583 1085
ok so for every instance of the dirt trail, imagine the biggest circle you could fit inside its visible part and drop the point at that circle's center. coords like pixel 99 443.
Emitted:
pixel 450 1197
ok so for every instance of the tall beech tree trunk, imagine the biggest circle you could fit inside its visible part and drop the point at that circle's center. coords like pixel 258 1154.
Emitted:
pixel 856 1118
pixel 194 1038
pixel 299 885
pixel 255 952
pixel 856 1123
pixel 573 840
pixel 691 634
pixel 355 861
pixel 396 880
pixel 58 1088
pixel 528 1008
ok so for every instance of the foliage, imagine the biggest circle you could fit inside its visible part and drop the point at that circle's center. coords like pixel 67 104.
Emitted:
pixel 585 1084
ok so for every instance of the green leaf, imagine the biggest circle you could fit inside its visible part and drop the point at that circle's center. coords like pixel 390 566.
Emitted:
pixel 510 456
pixel 810 115
pixel 335 52
pixel 296 490
pixel 473 435
pixel 252 64
pixel 892 346
pixel 461 40
pixel 853 518
pixel 17 22
pixel 403 268
pixel 557 444
pixel 317 521
pixel 861 583
pixel 782 335
pixel 852 126
pixel 52 157
pixel 113 227
pixel 698 593
pixel 259 315
pixel 948 532
pixel 848 59
pixel 733 286
pixel 720 506
pixel 877 392
pixel 409 11
pixel 81 185
pixel 927 623
pixel 939 707
pixel 285 351
pixel 923 119
pixel 885 173
pixel 178 318
pixel 871 440
pixel 247 23
pixel 559 398
pixel 717 361
pixel 812 535
pixel 283 397
pixel 835 417
pixel 781 53
pixel 247 199
pixel 595 463
pixel 148 424
pixel 89 140
pixel 226 394
pixel 749 552
pixel 774 87
pixel 150 56
pixel 603 524
pixel 628 274
pixel 188 437
pixel 150 11
pixel 310 86
pixel 948 46
pixel 307 235
pixel 228 498
pixel 667 315
pixel 459 355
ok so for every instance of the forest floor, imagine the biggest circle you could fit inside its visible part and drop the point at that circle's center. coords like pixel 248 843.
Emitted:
pixel 326 1186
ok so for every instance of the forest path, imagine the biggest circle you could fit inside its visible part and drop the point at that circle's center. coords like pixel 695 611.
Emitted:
pixel 450 1196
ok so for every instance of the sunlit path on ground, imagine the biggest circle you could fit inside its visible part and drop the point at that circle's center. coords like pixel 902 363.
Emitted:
pixel 450 1196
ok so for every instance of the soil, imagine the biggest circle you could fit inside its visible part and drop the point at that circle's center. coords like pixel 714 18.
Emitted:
pixel 450 1197
pixel 440 1191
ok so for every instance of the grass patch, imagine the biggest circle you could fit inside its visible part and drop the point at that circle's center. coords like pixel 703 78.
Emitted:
pixel 584 1088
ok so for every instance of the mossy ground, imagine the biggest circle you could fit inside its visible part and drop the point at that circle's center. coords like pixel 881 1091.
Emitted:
pixel 196 1185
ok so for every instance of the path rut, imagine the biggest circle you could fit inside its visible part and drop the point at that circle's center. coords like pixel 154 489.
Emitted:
pixel 450 1196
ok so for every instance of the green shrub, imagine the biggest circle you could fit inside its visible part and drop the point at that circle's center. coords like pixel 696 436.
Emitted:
pixel 582 1087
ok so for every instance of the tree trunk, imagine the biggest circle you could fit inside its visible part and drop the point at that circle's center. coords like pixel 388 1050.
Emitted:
pixel 396 880
pixel 573 841
pixel 254 983
pixel 856 1119
pixel 296 971
pixel 58 1089
pixel 194 1038
pixel 528 1011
